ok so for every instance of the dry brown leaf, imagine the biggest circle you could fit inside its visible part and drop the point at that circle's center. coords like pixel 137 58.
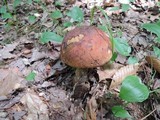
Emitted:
pixel 91 109
pixel 154 62
pixel 5 53
pixel 37 109
pixel 11 80
pixel 108 71
pixel 122 73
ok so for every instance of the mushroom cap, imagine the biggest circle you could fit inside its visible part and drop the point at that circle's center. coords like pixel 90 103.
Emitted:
pixel 86 47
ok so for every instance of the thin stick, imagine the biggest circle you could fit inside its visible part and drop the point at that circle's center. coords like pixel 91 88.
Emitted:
pixel 148 114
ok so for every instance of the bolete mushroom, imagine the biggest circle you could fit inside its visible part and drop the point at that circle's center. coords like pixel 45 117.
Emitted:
pixel 86 47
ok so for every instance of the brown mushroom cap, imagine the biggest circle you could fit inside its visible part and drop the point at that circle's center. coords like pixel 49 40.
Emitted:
pixel 86 47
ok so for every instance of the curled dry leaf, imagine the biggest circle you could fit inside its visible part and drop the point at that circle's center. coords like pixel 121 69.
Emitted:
pixel 91 109
pixel 122 73
pixel 10 80
pixel 37 109
pixel 154 62
pixel 108 71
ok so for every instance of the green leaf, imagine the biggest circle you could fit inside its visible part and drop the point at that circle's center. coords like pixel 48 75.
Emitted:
pixel 122 46
pixel 133 90
pixel 119 111
pixel 114 56
pixel 37 1
pixel 58 3
pixel 16 3
pixel 114 8
pixel 50 36
pixel 29 2
pixel 76 14
pixel 31 19
pixel 125 7
pixel 156 51
pixel 3 9
pixel 157 40
pixel 31 76
pixel 132 60
pixel 56 14
pixel 67 24
pixel 6 16
pixel 152 27
pixel 103 28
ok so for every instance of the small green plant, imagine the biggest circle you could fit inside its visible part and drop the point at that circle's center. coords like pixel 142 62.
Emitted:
pixel 122 46
pixel 76 14
pixel 124 5
pixel 50 36
pixel 132 60
pixel 155 29
pixel 119 111
pixel 132 90
pixel 5 13
pixel 118 43
pixel 31 76
pixel 56 14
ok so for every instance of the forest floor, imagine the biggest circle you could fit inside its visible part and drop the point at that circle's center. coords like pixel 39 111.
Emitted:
pixel 36 85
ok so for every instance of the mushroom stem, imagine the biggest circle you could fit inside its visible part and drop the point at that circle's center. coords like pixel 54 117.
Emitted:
pixel 81 75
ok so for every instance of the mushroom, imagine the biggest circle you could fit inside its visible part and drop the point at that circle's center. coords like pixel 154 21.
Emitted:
pixel 85 47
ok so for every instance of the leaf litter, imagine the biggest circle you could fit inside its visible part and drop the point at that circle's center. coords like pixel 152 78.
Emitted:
pixel 48 96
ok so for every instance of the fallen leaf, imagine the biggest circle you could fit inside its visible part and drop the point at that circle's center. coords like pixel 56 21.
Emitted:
pixel 5 53
pixel 36 108
pixel 10 82
pixel 154 62
pixel 122 73
pixel 108 72
pixel 36 55
pixel 91 109
pixel 26 51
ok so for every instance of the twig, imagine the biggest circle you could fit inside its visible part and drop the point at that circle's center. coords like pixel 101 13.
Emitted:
pixel 148 114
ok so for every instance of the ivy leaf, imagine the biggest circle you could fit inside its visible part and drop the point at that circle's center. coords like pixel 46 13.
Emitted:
pixel 16 3
pixel 152 27
pixel 31 19
pixel 67 24
pixel 56 14
pixel 122 46
pixel 3 9
pixel 133 90
pixel 31 76
pixel 76 14
pixel 157 40
pixel 132 60
pixel 119 111
pixel 50 36
pixel 125 7
pixel 114 8
pixel 156 51
pixel 6 16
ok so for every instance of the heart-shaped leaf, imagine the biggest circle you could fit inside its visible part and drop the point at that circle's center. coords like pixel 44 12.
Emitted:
pixel 122 46
pixel 152 27
pixel 31 76
pixel 50 36
pixel 56 14
pixel 133 90
pixel 76 14
pixel 119 111
pixel 132 60
pixel 156 51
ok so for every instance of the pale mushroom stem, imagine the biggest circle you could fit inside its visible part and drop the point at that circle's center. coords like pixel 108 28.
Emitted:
pixel 81 75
